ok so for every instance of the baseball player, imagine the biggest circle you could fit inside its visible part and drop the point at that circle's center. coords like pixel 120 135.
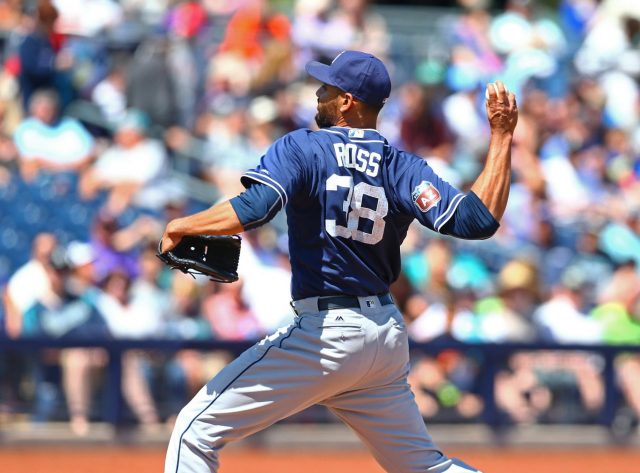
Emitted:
pixel 349 198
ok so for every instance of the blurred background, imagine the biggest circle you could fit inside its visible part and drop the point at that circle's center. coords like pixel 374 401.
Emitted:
pixel 116 116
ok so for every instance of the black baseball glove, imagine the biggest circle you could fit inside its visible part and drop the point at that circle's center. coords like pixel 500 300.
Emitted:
pixel 214 256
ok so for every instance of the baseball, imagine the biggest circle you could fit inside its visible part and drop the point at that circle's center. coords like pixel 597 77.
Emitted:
pixel 486 92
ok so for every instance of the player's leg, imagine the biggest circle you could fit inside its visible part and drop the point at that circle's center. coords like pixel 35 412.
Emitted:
pixel 241 399
pixel 384 414
pixel 388 422
pixel 268 382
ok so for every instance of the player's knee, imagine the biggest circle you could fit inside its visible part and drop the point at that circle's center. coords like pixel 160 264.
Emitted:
pixel 195 430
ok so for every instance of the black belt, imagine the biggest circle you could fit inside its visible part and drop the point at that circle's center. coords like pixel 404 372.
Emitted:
pixel 348 302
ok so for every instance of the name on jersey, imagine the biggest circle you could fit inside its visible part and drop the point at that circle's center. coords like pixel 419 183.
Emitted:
pixel 348 155
pixel 426 196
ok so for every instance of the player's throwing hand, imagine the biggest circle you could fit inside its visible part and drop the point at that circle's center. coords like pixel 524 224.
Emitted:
pixel 502 109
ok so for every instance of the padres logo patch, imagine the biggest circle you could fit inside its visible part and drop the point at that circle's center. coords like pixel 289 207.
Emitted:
pixel 425 196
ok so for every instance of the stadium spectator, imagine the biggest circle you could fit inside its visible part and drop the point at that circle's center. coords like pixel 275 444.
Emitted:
pixel 520 394
pixel 619 315
pixel 35 286
pixel 423 129
pixel 310 20
pixel 618 305
pixel 472 30
pixel 126 320
pixel 508 316
pixel 563 318
pixel 228 314
pixel 148 295
pixel 30 284
pixel 100 313
pixel 445 386
pixel 619 238
pixel 44 63
pixel 11 112
pixel 186 323
pixel 249 30
pixel 609 38
pixel 87 17
pixel 533 46
pixel 110 95
pixel 47 141
pixel 267 291
pixel 594 265
pixel 236 141
pixel 10 14
pixel 129 169
pixel 151 86
pixel 462 111
pixel 187 25
pixel 352 25
pixel 112 253
pixel 78 317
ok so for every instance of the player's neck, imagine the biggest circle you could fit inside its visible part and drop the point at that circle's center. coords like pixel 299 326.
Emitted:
pixel 357 122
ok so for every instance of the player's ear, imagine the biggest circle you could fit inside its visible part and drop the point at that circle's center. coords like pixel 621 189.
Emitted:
pixel 346 102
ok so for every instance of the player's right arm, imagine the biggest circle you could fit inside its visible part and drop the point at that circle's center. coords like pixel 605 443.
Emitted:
pixel 492 185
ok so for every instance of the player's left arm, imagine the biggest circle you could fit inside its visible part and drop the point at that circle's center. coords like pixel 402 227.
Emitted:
pixel 250 209
pixel 221 219
pixel 268 185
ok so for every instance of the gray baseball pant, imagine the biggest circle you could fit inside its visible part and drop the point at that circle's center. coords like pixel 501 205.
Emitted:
pixel 354 361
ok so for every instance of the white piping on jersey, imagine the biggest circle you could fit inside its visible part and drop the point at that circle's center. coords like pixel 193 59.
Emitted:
pixel 349 128
pixel 440 464
pixel 453 205
pixel 256 176
pixel 367 141
pixel 332 131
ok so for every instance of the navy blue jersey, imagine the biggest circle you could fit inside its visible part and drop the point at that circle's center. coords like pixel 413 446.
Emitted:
pixel 349 198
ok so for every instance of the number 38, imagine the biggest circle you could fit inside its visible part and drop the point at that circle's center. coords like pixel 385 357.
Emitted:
pixel 354 211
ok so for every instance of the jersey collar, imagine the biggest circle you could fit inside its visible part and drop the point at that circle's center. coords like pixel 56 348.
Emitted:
pixel 358 134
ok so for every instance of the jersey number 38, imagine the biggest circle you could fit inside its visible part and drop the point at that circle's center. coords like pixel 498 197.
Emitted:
pixel 354 210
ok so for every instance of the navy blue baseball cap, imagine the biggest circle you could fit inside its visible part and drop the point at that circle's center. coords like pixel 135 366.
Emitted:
pixel 361 74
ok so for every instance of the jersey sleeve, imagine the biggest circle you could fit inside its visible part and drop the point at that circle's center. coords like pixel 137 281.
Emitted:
pixel 422 194
pixel 285 167
pixel 256 206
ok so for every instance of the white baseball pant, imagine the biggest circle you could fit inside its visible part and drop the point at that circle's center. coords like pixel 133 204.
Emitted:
pixel 354 360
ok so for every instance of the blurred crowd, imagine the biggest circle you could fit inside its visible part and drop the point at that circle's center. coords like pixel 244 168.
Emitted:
pixel 114 113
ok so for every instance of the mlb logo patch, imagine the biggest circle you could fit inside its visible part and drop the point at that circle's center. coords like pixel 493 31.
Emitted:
pixel 355 133
pixel 425 196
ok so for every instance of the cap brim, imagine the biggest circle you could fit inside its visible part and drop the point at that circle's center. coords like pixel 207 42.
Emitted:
pixel 321 72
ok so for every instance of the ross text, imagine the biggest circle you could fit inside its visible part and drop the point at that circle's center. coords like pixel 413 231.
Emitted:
pixel 351 156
